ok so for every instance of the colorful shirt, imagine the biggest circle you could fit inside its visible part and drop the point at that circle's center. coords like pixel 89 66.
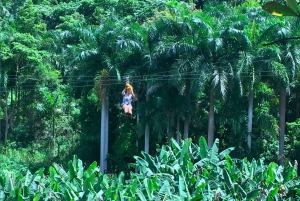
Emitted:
pixel 127 99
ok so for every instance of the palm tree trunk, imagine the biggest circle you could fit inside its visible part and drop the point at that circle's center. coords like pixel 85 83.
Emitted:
pixel 177 131
pixel 6 118
pixel 171 128
pixel 1 88
pixel 104 133
pixel 187 119
pixel 53 133
pixel 186 128
pixel 137 134
pixel 250 118
pixel 168 129
pixel 282 125
pixel 147 129
pixel 211 120
pixel 297 104
pixel 106 129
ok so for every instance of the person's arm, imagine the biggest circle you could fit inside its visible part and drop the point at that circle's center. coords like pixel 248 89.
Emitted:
pixel 123 92
pixel 134 98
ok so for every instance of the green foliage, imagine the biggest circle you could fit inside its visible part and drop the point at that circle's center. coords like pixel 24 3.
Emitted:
pixel 51 51
pixel 278 9
pixel 177 172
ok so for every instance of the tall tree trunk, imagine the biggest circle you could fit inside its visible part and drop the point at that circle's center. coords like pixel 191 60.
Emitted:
pixel 1 88
pixel 53 133
pixel 12 105
pixel 186 128
pixel 250 118
pixel 147 128
pixel 211 120
pixel 6 118
pixel 104 132
pixel 171 128
pixel 137 130
pixel 187 119
pixel 178 131
pixel 297 104
pixel 137 133
pixel 282 125
pixel 168 129
pixel 18 102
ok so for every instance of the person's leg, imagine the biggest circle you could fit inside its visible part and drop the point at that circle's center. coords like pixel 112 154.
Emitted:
pixel 130 109
pixel 125 108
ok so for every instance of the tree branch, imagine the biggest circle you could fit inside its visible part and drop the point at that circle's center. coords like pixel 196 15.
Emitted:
pixel 282 39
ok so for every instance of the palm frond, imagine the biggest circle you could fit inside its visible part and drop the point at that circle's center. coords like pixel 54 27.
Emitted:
pixel 87 33
pixel 281 72
pixel 215 44
pixel 123 43
pixel 85 54
pixel 223 83
pixel 4 11
pixel 204 28
pixel 153 88
pixel 220 78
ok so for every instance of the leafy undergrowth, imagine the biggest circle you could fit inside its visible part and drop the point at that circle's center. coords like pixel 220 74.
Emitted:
pixel 178 172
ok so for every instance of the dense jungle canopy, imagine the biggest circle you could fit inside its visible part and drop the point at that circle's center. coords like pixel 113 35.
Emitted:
pixel 198 68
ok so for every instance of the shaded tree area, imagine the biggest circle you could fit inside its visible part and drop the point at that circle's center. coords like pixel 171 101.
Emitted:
pixel 197 68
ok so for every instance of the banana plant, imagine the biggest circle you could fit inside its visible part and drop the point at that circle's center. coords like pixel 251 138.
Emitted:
pixel 182 171
pixel 276 8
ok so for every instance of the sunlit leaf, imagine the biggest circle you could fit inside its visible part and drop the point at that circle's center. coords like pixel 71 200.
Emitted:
pixel 277 9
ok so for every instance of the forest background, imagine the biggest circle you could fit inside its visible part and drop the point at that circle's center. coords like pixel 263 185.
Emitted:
pixel 198 69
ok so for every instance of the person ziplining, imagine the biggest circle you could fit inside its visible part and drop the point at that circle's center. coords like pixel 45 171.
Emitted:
pixel 128 97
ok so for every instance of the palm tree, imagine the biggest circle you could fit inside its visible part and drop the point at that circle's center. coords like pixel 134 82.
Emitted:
pixel 100 51
pixel 284 68
pixel 219 52
pixel 102 90
pixel 182 52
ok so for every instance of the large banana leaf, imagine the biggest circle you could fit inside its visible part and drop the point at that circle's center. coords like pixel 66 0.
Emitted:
pixel 277 9
pixel 203 147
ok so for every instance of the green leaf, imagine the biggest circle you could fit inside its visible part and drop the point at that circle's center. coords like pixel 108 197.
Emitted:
pixel 141 195
pixel 8 183
pixel 181 186
pixel 165 189
pixel 28 178
pixel 151 162
pixel 213 153
pixel 270 173
pixel 185 153
pixel 2 195
pixel 37 197
pixel 90 170
pixel 203 147
pixel 293 5
pixel 121 178
pixel 60 171
pixel 227 179
pixel 225 152
pixel 253 194
pixel 163 154
pixel 149 187
pixel 277 9
pixel 71 170
pixel 80 169
pixel 175 144
pixel 239 189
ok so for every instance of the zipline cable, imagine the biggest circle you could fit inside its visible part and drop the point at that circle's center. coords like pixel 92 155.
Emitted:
pixel 89 84
pixel 154 74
